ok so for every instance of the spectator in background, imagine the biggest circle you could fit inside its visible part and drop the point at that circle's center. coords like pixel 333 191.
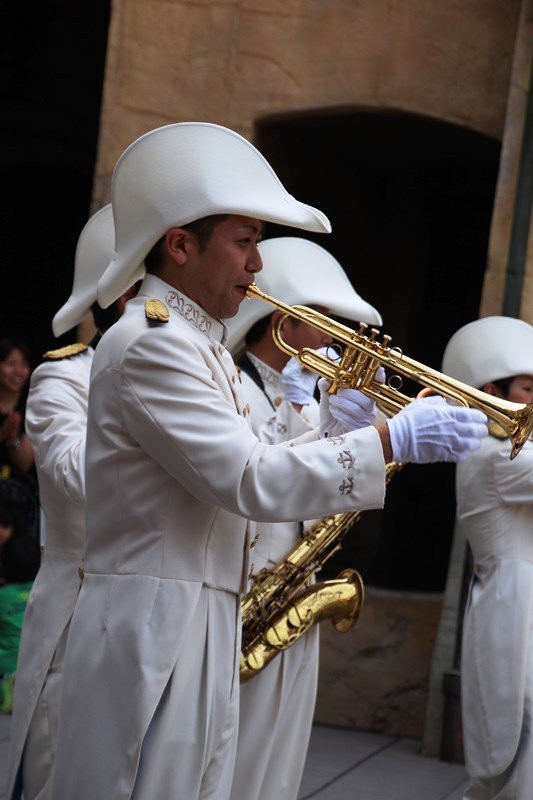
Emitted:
pixel 19 562
pixel 16 455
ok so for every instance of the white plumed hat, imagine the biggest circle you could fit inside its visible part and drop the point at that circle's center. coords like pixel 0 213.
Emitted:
pixel 299 272
pixel 489 349
pixel 180 173
pixel 94 251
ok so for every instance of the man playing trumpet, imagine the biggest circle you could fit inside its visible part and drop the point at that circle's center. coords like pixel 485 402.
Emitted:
pixel 174 472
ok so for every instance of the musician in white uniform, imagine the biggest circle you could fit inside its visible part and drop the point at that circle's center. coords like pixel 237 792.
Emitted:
pixel 56 418
pixel 151 684
pixel 277 705
pixel 495 510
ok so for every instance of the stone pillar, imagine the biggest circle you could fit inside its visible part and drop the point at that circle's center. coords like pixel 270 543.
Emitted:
pixel 508 285
pixel 446 652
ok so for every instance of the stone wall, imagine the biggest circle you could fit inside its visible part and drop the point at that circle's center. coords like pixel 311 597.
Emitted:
pixel 236 62
pixel 375 677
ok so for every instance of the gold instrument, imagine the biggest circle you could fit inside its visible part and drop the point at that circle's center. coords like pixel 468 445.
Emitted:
pixel 280 607
pixel 361 357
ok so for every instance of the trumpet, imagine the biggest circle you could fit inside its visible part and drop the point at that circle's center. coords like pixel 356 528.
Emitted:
pixel 362 355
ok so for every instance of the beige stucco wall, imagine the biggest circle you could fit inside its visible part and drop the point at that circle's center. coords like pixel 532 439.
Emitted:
pixel 235 62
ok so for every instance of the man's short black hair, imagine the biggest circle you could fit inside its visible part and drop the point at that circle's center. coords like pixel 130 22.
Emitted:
pixel 202 228
pixel 258 330
pixel 105 317
pixel 504 384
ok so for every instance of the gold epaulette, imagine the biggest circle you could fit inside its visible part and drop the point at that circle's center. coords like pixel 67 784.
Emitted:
pixel 156 311
pixel 497 431
pixel 65 352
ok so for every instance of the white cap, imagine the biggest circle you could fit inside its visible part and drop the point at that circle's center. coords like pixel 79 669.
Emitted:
pixel 94 250
pixel 489 349
pixel 180 173
pixel 299 272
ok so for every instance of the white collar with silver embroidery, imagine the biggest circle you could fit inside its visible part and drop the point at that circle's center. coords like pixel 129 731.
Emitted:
pixel 268 375
pixel 195 315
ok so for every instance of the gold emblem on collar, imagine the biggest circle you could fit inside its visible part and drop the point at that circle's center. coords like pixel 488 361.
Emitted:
pixel 156 311
pixel 65 352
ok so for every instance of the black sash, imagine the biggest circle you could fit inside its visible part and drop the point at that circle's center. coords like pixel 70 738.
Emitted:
pixel 246 365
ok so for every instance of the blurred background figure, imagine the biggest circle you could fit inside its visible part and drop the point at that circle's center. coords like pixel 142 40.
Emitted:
pixel 56 423
pixel 16 454
pixel 19 563
pixel 495 510
pixel 277 706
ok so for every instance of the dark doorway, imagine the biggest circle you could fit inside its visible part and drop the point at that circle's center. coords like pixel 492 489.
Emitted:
pixel 410 202
pixel 52 68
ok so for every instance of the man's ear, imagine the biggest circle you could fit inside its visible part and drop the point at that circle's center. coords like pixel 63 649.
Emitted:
pixel 492 389
pixel 177 242
pixel 274 318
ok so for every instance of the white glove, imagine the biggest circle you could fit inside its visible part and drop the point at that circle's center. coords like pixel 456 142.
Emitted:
pixel 348 410
pixel 429 430
pixel 298 383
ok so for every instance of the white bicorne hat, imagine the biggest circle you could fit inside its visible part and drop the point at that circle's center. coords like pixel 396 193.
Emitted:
pixel 299 272
pixel 180 173
pixel 489 349
pixel 94 251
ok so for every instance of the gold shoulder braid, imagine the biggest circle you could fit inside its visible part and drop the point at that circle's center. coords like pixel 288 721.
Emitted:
pixel 65 352
pixel 156 311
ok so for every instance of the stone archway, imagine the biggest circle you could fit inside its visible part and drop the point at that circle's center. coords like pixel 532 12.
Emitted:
pixel 410 200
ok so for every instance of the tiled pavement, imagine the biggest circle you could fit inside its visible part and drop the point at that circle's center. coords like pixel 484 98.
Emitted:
pixel 352 765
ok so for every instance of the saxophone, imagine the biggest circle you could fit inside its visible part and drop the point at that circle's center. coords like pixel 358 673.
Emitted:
pixel 281 605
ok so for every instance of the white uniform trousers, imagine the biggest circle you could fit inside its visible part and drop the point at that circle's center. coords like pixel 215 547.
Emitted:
pixel 276 717
pixel 515 782
pixel 39 749
pixel 179 758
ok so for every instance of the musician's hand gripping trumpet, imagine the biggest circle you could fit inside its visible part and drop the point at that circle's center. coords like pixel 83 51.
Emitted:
pixel 361 357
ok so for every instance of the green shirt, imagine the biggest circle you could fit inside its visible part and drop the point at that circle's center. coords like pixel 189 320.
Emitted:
pixel 13 599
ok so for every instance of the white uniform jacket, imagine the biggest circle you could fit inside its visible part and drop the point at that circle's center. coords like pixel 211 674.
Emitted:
pixel 495 509
pixel 275 424
pixel 56 419
pixel 173 472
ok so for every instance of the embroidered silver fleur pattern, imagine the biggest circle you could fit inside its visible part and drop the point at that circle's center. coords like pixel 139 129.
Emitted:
pixel 346 459
pixel 188 311
pixel 277 427
pixel 346 486
pixel 335 439
pixel 268 375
